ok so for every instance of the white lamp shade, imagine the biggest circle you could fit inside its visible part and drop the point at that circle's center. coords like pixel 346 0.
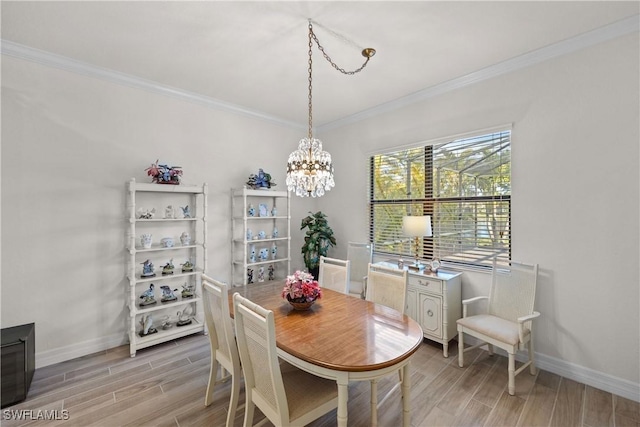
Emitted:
pixel 416 226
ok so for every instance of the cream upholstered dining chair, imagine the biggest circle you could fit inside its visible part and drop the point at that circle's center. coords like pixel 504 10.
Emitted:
pixel 388 287
pixel 224 350
pixel 507 323
pixel 285 397
pixel 334 274
pixel 359 255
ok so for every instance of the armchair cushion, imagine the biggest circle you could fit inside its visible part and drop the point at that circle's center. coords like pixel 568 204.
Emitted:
pixel 494 327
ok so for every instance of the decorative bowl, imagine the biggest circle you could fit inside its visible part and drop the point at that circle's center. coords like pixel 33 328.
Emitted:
pixel 302 305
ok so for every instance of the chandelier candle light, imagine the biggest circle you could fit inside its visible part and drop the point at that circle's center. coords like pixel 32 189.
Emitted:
pixel 416 227
pixel 309 169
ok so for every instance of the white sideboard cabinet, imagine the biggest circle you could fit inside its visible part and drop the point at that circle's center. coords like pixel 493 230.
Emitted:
pixel 434 300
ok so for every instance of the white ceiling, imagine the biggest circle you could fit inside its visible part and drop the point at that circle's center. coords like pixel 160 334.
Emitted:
pixel 254 54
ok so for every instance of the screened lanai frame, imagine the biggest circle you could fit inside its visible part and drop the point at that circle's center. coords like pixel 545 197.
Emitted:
pixel 463 183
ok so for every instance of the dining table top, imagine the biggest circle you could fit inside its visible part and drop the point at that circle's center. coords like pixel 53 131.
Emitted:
pixel 339 332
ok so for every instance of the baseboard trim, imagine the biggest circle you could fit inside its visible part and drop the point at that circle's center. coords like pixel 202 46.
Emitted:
pixel 600 380
pixel 62 354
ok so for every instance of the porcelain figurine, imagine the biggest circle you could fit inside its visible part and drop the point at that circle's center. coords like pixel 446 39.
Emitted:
pixel 167 242
pixel 188 290
pixel 147 326
pixel 274 251
pixel 168 268
pixel 168 212
pixel 185 239
pixel 147 269
pixel 264 254
pixel 184 317
pixel 252 253
pixel 148 297
pixel 261 274
pixel 249 234
pixel 145 240
pixel 167 294
pixel 274 211
pixel 249 275
pixel 262 234
pixel 187 266
pixel 274 234
pixel 146 213
pixel 251 211
pixel 270 269
pixel 186 211
pixel 166 323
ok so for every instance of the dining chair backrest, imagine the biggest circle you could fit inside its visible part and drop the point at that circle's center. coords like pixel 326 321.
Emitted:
pixel 255 332
pixel 387 286
pixel 360 255
pixel 334 274
pixel 222 341
pixel 513 290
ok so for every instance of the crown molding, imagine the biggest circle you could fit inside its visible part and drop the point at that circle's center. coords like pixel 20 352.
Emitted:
pixel 49 59
pixel 590 38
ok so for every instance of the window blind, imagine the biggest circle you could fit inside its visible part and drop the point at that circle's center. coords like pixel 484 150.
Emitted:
pixel 463 184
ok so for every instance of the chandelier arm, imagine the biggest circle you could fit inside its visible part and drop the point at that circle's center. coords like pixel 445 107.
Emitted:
pixel 367 53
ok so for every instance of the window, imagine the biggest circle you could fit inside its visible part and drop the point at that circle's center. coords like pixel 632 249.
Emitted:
pixel 464 184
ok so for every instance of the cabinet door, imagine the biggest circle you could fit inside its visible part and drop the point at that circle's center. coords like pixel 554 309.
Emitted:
pixel 411 304
pixel 430 312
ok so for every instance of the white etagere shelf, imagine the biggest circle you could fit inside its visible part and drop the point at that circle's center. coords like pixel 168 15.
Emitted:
pixel 159 196
pixel 241 200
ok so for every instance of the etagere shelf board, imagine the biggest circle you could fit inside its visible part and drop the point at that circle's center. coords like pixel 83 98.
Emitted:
pixel 167 246
pixel 260 236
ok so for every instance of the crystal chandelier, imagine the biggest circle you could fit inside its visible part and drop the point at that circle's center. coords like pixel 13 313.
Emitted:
pixel 309 169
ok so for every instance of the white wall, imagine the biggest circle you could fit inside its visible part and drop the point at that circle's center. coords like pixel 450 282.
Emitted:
pixel 575 162
pixel 69 144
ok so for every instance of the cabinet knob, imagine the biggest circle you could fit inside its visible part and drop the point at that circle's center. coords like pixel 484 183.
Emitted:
pixel 429 313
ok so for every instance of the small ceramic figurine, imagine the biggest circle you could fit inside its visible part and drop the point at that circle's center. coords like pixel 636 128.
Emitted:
pixel 261 274
pixel 188 290
pixel 168 212
pixel 145 240
pixel 249 234
pixel 186 211
pixel 187 266
pixel 185 238
pixel 271 272
pixel 166 322
pixel 274 251
pixel 262 234
pixel 148 296
pixel 251 211
pixel 147 269
pixel 147 326
pixel 167 294
pixel 168 268
pixel 184 317
pixel 252 253
pixel 274 211
pixel 249 275
pixel 167 242
pixel 264 254
pixel 146 213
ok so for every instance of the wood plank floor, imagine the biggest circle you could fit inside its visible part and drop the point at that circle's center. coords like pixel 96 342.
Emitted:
pixel 165 385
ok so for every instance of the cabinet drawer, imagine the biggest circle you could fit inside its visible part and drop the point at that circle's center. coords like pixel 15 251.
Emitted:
pixel 424 284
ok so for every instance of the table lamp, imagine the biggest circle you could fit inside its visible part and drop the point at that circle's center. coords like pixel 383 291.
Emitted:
pixel 416 227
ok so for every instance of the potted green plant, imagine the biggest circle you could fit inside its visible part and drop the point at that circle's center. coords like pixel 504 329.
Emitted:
pixel 318 240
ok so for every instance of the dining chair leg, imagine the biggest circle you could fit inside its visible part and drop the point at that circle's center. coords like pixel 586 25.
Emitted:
pixel 213 373
pixel 460 349
pixel 248 412
pixel 374 402
pixel 406 397
pixel 235 397
pixel 512 374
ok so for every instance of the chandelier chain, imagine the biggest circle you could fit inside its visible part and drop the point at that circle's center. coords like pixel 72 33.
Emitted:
pixel 328 58
pixel 310 81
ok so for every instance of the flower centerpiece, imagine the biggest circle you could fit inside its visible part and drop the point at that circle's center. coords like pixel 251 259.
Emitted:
pixel 164 174
pixel 301 290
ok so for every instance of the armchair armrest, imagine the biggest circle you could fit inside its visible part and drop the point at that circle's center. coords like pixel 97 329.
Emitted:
pixel 466 302
pixel 522 320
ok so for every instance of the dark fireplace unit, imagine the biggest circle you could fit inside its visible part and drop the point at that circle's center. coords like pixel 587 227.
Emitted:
pixel 18 361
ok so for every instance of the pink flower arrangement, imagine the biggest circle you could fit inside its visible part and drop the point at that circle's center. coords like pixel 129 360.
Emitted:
pixel 164 174
pixel 301 287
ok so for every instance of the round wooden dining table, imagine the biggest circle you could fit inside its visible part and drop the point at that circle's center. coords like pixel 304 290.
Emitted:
pixel 341 337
